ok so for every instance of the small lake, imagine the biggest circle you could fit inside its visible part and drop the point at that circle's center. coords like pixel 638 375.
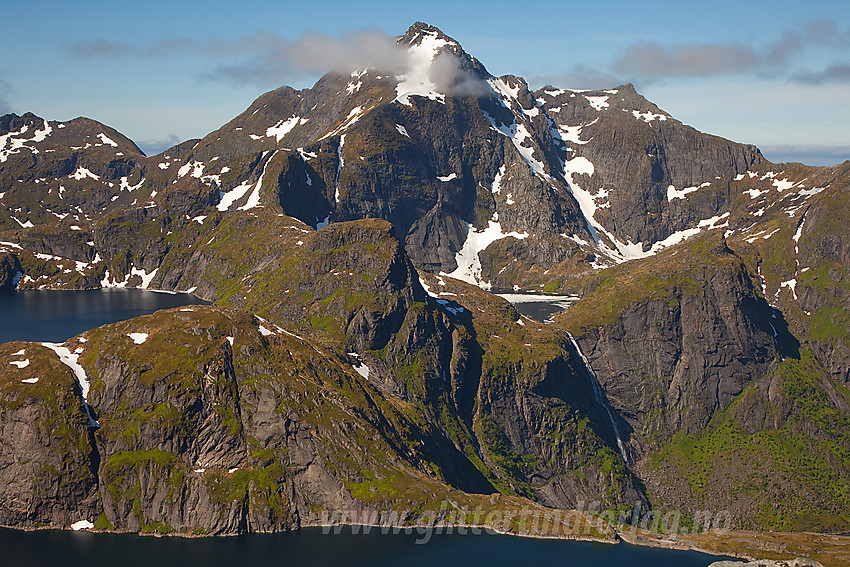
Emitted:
pixel 310 547
pixel 55 316
pixel 537 306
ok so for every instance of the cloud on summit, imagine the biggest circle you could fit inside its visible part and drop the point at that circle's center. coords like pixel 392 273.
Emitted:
pixel 266 60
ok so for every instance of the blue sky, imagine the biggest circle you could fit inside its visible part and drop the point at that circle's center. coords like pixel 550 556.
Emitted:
pixel 776 74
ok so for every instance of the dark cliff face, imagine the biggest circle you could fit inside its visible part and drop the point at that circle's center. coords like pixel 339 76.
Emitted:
pixel 685 332
pixel 211 421
pixel 637 152
pixel 530 405
pixel 48 466
pixel 10 267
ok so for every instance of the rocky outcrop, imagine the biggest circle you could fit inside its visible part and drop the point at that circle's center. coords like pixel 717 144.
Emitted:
pixel 684 334
pixel 799 562
pixel 48 465
pixel 10 271
pixel 63 170
pixel 537 423
pixel 637 152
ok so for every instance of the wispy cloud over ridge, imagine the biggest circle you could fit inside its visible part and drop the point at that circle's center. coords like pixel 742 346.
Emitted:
pixel 265 58
pixel 579 77
pixel 5 108
pixel 269 60
pixel 835 73
pixel 650 61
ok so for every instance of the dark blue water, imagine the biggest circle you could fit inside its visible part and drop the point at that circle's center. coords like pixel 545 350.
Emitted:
pixel 55 316
pixel 310 547
pixel 538 311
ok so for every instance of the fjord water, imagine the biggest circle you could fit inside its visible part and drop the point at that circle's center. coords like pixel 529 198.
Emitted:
pixel 311 547
pixel 55 316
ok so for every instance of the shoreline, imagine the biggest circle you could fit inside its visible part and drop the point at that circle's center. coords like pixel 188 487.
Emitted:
pixel 627 536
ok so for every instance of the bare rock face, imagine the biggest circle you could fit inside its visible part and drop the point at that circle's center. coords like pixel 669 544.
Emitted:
pixel 48 466
pixel 682 348
pixel 638 152
pixel 10 271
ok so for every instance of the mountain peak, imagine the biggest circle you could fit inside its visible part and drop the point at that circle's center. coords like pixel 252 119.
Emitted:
pixel 420 30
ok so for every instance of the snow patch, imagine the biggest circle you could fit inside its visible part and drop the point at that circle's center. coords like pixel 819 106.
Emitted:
pixel 648 116
pixel 265 332
pixel 227 199
pixel 402 130
pixel 254 198
pixel 353 87
pixel 519 135
pixel 71 361
pixel 539 298
pixel 106 140
pixel 673 193
pixel 792 285
pixel 138 338
pixel 146 277
pixel 306 156
pixel 196 167
pixel 811 192
pixel 356 114
pixel 799 232
pixel 125 185
pixel 339 166
pixel 360 367
pixel 20 363
pixel 573 133
pixel 597 102
pixel 448 177
pixel 26 224
pixel 83 173
pixel 783 184
pixel 417 79
pixel 282 128
pixel 16 144
pixel 82 525
pixel 496 187
pixel 468 264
